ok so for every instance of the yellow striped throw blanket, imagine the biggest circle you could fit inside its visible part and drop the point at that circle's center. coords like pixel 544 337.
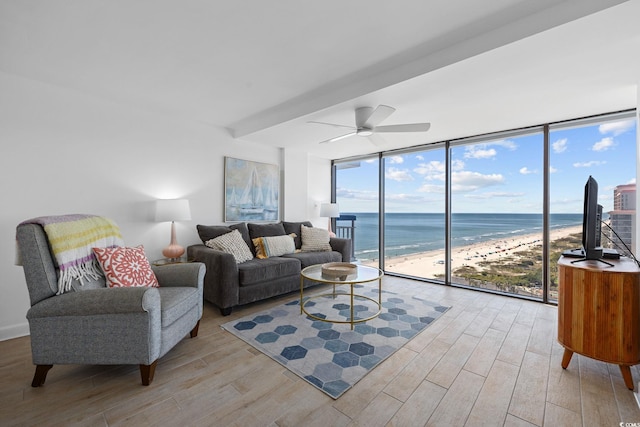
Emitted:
pixel 71 238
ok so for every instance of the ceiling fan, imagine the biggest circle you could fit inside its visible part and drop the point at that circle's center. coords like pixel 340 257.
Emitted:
pixel 367 120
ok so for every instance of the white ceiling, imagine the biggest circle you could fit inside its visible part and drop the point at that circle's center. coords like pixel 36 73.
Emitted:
pixel 263 69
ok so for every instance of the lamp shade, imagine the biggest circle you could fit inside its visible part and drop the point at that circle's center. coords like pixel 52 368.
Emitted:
pixel 173 210
pixel 330 210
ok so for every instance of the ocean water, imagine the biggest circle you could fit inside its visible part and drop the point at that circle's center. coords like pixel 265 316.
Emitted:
pixel 408 233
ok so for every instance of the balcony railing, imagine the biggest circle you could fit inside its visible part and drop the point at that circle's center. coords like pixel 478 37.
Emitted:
pixel 347 231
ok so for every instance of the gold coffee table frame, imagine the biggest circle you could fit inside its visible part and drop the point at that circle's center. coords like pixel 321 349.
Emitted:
pixel 363 274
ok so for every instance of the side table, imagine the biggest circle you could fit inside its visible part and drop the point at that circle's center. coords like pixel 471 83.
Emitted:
pixel 167 261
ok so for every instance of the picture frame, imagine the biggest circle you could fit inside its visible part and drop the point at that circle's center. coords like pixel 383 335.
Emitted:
pixel 251 191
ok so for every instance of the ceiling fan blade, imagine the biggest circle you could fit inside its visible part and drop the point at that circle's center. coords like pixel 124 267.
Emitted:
pixel 331 124
pixel 338 138
pixel 377 140
pixel 411 127
pixel 378 115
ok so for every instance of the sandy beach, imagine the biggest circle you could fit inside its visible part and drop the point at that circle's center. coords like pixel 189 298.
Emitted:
pixel 430 264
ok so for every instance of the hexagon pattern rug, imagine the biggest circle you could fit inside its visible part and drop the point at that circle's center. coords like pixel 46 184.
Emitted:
pixel 331 356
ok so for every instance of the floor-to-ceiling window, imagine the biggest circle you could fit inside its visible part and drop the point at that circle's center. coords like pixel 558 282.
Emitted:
pixel 492 212
pixel 414 218
pixel 605 148
pixel 357 194
pixel 496 212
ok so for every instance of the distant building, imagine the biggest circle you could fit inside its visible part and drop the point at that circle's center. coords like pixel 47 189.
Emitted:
pixel 623 218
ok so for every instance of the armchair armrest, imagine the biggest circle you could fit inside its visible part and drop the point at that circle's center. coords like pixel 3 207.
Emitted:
pixel 94 302
pixel 221 281
pixel 180 274
pixel 343 246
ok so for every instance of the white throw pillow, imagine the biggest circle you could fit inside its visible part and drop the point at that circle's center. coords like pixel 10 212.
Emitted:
pixel 232 243
pixel 274 245
pixel 314 239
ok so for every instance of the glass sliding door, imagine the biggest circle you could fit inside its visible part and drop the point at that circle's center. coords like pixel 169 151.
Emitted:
pixel 357 195
pixel 497 213
pixel 414 217
pixel 602 147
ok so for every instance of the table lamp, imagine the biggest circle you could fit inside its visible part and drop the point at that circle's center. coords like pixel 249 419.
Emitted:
pixel 173 210
pixel 330 210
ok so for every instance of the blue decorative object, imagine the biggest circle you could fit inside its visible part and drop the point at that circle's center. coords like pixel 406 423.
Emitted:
pixel 331 356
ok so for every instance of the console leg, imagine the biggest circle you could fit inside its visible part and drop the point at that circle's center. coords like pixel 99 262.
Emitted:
pixel 626 375
pixel 566 358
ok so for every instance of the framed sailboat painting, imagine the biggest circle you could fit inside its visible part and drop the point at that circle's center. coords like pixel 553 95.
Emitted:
pixel 251 191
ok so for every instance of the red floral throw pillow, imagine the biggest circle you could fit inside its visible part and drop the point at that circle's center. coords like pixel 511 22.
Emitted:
pixel 126 267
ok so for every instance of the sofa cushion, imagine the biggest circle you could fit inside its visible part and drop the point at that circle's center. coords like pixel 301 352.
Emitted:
pixel 266 230
pixel 312 258
pixel 175 302
pixel 315 239
pixel 294 227
pixel 232 243
pixel 263 270
pixel 208 232
pixel 274 246
pixel 125 267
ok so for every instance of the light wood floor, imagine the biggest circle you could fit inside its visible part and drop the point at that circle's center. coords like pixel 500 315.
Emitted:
pixel 490 360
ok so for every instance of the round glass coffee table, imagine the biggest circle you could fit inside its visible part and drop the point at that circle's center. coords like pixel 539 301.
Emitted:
pixel 363 274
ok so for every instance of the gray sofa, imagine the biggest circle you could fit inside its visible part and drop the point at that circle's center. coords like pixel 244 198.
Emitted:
pixel 228 284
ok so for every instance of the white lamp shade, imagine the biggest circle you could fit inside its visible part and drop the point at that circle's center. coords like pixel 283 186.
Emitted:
pixel 173 210
pixel 330 210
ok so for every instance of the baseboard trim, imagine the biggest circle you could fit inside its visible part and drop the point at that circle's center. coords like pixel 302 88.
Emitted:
pixel 14 331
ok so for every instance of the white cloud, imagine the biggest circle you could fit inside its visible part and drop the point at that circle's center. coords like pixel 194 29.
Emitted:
pixel 356 194
pixel 603 145
pixel 465 181
pixel 420 157
pixel 494 194
pixel 506 143
pixel 617 128
pixel 526 171
pixel 552 169
pixel 430 188
pixel 430 169
pixel 403 197
pixel 588 164
pixel 474 152
pixel 457 165
pixel 560 145
pixel 396 160
pixel 398 174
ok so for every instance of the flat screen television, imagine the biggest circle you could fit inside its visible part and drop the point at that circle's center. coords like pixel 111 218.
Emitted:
pixel 591 221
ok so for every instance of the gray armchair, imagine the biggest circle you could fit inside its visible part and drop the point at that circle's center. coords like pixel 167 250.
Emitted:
pixel 105 326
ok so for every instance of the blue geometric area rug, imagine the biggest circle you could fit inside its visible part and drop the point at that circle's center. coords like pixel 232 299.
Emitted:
pixel 331 356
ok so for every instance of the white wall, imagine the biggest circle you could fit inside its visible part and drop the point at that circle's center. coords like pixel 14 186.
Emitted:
pixel 64 152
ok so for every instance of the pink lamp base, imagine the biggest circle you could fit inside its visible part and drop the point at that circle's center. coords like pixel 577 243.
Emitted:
pixel 174 250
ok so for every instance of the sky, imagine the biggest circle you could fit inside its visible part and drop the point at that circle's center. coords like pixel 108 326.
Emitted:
pixel 504 175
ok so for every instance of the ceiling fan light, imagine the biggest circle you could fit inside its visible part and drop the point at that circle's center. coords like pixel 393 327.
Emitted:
pixel 365 132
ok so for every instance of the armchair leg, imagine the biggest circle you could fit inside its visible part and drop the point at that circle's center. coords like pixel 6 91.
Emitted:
pixel 226 311
pixel 194 331
pixel 40 375
pixel 147 372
